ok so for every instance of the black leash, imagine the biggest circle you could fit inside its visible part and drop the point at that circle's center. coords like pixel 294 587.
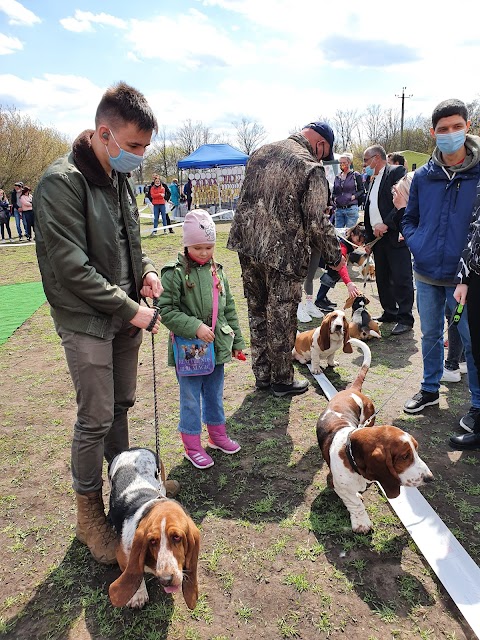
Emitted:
pixel 154 373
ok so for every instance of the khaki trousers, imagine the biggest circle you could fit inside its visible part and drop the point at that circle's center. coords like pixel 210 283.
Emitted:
pixel 104 374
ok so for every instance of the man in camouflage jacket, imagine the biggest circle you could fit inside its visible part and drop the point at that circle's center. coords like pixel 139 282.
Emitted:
pixel 279 218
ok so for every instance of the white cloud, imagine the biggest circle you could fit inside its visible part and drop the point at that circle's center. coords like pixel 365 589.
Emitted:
pixel 17 13
pixel 9 44
pixel 84 21
pixel 190 39
pixel 65 102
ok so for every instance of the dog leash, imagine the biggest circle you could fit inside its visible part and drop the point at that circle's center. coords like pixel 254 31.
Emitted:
pixel 154 373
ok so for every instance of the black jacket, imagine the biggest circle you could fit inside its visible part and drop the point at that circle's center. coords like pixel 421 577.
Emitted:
pixel 390 215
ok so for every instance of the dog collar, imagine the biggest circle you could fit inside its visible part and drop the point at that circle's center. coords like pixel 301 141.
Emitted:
pixel 349 452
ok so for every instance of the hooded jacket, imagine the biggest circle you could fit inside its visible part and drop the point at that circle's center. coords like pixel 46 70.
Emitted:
pixel 281 211
pixel 77 207
pixel 438 214
pixel 184 309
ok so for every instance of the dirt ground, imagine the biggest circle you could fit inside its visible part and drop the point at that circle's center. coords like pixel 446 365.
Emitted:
pixel 278 559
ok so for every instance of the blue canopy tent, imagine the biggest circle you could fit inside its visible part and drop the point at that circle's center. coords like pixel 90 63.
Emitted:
pixel 213 155
pixel 209 156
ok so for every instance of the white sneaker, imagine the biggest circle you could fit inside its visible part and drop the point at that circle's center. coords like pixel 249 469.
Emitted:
pixel 312 310
pixel 462 367
pixel 451 376
pixel 302 315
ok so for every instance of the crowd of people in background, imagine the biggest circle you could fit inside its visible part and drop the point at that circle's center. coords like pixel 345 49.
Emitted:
pixel 19 207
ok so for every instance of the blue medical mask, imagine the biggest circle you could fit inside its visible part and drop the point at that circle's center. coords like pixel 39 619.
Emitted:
pixel 126 161
pixel 369 171
pixel 450 142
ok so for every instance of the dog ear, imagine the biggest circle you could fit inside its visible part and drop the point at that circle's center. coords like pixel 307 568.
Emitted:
pixel 348 302
pixel 381 469
pixel 324 336
pixel 347 347
pixel 126 586
pixel 367 301
pixel 190 580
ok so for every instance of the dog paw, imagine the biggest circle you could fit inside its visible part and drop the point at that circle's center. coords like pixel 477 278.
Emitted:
pixel 333 363
pixel 361 525
pixel 140 598
pixel 317 370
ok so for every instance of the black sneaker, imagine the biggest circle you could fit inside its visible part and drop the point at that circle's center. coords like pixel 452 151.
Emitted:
pixel 329 302
pixel 466 441
pixel 324 306
pixel 468 420
pixel 297 387
pixel 421 400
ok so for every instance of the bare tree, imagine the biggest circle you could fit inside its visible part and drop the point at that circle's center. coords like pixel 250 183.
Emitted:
pixel 27 148
pixel 192 135
pixel 371 123
pixel 345 124
pixel 250 134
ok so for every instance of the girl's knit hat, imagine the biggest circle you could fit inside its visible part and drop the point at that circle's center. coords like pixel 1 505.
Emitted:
pixel 198 228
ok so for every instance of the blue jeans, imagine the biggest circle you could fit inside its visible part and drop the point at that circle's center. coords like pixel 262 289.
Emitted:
pixel 201 396
pixel 346 217
pixel 159 208
pixel 432 303
pixel 17 222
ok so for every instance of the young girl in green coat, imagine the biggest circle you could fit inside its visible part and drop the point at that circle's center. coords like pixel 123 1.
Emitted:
pixel 186 307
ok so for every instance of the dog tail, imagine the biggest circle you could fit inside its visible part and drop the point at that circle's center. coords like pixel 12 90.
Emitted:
pixel 367 359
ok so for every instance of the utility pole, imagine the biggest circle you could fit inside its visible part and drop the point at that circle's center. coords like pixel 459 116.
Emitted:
pixel 403 96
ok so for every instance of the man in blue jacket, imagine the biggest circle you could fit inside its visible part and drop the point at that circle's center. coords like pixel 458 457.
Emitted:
pixel 435 227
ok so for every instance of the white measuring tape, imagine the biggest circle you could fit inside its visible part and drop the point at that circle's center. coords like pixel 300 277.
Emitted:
pixel 455 569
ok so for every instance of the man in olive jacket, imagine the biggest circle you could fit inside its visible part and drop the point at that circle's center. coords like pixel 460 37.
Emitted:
pixel 94 273
pixel 280 216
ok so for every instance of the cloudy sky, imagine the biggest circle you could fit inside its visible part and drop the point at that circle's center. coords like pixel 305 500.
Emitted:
pixel 280 62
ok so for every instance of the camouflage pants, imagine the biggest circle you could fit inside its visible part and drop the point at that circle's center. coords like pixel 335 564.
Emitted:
pixel 272 300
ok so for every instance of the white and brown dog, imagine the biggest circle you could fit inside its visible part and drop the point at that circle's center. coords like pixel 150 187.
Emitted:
pixel 366 265
pixel 322 343
pixel 362 326
pixel 359 456
pixel 156 535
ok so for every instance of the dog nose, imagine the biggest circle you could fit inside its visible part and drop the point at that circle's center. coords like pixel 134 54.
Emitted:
pixel 166 579
pixel 428 478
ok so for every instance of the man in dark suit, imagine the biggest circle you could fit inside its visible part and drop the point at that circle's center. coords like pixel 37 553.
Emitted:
pixel 393 264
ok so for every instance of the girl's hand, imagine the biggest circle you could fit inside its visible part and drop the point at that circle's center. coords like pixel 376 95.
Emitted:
pixel 353 292
pixel 205 333
pixel 460 293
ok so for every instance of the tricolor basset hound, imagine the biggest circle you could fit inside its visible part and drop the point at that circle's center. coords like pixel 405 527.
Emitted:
pixel 359 456
pixel 156 535
pixel 361 326
pixel 367 266
pixel 322 343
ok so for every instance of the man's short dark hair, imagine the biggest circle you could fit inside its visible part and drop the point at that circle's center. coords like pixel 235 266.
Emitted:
pixel 450 107
pixel 122 104
pixel 397 158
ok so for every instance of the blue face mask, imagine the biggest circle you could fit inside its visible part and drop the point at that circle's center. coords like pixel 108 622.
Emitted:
pixel 126 161
pixel 450 142
pixel 369 171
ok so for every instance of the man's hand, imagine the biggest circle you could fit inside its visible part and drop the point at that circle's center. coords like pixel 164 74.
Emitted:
pixel 341 264
pixel 379 230
pixel 460 293
pixel 152 287
pixel 353 292
pixel 205 333
pixel 143 317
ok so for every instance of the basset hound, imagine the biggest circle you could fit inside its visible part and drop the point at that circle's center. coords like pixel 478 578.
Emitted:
pixel 358 456
pixel 361 326
pixel 156 535
pixel 367 267
pixel 322 343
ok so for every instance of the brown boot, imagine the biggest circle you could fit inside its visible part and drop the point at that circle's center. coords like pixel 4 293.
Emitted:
pixel 172 487
pixel 93 528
